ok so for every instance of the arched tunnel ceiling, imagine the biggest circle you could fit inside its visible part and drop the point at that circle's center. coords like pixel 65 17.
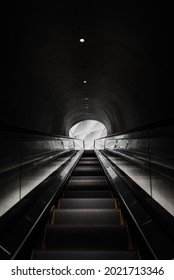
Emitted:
pixel 125 60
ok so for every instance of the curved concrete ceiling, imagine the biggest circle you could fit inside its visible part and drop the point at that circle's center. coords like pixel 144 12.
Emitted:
pixel 125 60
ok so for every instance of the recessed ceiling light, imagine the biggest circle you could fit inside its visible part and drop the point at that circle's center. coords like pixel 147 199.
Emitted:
pixel 84 82
pixel 86 98
pixel 82 40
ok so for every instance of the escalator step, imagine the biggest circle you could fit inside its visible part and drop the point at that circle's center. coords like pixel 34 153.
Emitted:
pixel 94 158
pixel 108 203
pixel 86 187
pixel 101 237
pixel 88 170
pixel 89 153
pixel 88 178
pixel 87 194
pixel 86 217
pixel 88 182
pixel 89 162
pixel 85 255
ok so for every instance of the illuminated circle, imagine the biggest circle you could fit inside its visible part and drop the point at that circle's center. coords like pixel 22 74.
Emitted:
pixel 88 130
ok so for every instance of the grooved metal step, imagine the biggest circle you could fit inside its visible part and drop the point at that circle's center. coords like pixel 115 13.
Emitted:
pixel 93 177
pixel 88 162
pixel 88 170
pixel 101 237
pixel 88 182
pixel 85 255
pixel 87 186
pixel 82 217
pixel 94 158
pixel 87 194
pixel 92 203
pixel 89 153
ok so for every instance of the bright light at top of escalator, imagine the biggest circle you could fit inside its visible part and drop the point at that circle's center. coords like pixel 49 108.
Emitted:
pixel 88 130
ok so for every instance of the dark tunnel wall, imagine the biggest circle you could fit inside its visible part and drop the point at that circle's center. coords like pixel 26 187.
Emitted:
pixel 125 59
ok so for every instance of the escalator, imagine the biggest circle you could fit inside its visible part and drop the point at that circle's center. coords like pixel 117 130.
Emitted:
pixel 87 222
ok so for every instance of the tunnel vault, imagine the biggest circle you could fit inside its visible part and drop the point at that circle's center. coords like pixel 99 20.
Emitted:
pixel 122 65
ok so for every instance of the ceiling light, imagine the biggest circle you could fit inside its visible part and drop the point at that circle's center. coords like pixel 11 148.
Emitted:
pixel 82 40
pixel 86 98
pixel 84 82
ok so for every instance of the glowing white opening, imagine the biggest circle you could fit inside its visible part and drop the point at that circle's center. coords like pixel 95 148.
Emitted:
pixel 82 40
pixel 88 131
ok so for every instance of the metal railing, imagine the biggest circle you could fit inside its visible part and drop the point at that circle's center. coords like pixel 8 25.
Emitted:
pixel 25 157
pixel 146 155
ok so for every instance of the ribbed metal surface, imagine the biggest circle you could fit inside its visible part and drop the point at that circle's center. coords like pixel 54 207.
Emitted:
pixel 87 187
pixel 86 158
pixel 88 182
pixel 85 255
pixel 88 194
pixel 102 237
pixel 89 153
pixel 88 170
pixel 88 178
pixel 86 217
pixel 92 203
pixel 88 163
